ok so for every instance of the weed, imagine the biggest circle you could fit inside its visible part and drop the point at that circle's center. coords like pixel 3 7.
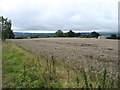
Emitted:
pixel 77 81
pixel 104 78
pixel 85 79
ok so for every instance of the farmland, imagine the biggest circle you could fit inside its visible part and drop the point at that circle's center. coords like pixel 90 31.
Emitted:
pixel 98 58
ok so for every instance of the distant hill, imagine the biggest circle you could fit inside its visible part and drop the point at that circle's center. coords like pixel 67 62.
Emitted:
pixel 53 34
pixel 33 34
pixel 41 34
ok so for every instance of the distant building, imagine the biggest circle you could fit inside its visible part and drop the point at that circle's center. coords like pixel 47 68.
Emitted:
pixel 102 37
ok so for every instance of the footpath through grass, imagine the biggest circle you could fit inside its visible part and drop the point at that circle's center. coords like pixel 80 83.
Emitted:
pixel 22 69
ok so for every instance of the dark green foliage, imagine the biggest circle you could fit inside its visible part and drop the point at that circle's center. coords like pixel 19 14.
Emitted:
pixel 118 37
pixel 21 37
pixel 35 36
pixel 91 86
pixel 77 34
pixel 85 36
pixel 70 34
pixel 59 33
pixel 113 36
pixel 65 35
pixel 77 81
pixel 85 78
pixel 11 34
pixel 7 33
pixel 104 77
pixel 95 34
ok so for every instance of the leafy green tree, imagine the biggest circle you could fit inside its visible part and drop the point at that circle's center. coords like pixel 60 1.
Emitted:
pixel 0 27
pixel 70 34
pixel 95 34
pixel 118 37
pixel 85 36
pixel 7 33
pixel 113 36
pixel 77 34
pixel 59 33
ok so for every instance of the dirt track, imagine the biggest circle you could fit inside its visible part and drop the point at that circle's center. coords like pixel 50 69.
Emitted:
pixel 92 54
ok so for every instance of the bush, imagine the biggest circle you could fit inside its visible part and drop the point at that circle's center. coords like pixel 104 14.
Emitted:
pixel 113 36
pixel 95 34
pixel 59 33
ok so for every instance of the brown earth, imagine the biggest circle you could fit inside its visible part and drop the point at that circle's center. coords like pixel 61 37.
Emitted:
pixel 92 54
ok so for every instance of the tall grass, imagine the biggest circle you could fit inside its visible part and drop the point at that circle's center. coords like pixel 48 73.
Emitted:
pixel 104 78
pixel 85 79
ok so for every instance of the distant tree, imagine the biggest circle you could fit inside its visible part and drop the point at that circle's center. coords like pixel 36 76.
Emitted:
pixel 59 33
pixel 7 33
pixel 113 36
pixel 118 37
pixel 0 28
pixel 95 34
pixel 64 34
pixel 77 34
pixel 85 36
pixel 70 34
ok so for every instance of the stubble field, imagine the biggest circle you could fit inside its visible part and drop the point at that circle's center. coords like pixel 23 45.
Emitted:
pixel 91 54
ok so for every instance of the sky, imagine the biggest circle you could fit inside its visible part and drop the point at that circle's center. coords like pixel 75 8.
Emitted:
pixel 52 15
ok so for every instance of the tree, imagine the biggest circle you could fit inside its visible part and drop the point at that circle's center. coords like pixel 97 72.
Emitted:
pixel 95 34
pixel 70 33
pixel 113 36
pixel 59 33
pixel 77 34
pixel 0 27
pixel 7 33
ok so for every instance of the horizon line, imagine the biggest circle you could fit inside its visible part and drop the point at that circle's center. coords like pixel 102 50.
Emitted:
pixel 64 31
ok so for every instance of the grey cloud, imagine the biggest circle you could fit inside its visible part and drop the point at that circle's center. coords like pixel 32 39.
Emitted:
pixel 64 14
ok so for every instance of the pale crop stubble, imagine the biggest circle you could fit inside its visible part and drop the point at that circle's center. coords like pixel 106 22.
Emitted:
pixel 92 54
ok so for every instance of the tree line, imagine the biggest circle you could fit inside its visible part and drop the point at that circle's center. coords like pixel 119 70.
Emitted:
pixel 59 33
pixel 70 33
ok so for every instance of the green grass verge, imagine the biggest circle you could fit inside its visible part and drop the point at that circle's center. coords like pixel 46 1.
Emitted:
pixel 22 69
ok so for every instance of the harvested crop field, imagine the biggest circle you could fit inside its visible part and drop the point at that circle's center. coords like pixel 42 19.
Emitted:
pixel 92 54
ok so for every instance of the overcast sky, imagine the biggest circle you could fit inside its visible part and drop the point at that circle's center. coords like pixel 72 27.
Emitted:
pixel 51 15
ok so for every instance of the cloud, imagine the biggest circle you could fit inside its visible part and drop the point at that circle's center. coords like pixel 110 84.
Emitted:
pixel 52 15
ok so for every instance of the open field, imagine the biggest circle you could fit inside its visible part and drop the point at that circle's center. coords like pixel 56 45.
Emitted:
pixel 93 55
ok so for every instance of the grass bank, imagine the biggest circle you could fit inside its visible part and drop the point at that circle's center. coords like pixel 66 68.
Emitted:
pixel 23 69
